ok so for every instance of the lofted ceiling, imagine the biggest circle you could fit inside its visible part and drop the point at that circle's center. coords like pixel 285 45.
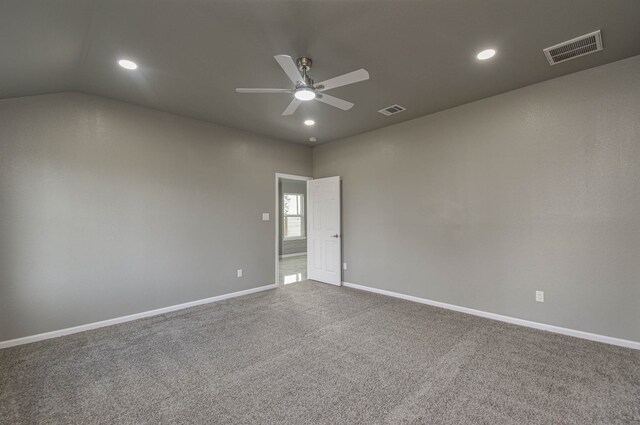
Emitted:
pixel 192 54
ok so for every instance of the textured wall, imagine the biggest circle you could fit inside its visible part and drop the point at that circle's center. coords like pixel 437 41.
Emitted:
pixel 108 209
pixel 483 204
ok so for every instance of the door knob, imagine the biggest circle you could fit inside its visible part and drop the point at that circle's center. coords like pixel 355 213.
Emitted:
pixel 335 236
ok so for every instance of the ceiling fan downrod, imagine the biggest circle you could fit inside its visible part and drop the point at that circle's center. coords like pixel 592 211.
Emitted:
pixel 304 65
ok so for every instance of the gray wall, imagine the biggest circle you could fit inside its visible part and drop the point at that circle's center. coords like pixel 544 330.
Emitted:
pixel 108 209
pixel 483 204
pixel 294 246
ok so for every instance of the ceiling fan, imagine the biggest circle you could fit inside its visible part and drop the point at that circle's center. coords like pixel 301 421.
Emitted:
pixel 304 87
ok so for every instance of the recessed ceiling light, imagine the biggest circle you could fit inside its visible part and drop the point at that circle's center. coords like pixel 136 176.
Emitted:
pixel 486 54
pixel 127 64
pixel 304 94
pixel 309 122
pixel 313 139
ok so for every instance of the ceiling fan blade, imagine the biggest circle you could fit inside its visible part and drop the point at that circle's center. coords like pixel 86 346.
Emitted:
pixel 292 107
pixel 290 68
pixel 263 90
pixel 343 80
pixel 334 101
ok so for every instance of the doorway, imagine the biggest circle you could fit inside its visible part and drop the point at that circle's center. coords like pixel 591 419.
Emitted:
pixel 291 228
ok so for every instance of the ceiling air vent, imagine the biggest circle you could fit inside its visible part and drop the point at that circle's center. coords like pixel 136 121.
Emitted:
pixel 579 46
pixel 392 110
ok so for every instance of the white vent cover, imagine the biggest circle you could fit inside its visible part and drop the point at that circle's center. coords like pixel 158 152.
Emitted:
pixel 579 46
pixel 391 110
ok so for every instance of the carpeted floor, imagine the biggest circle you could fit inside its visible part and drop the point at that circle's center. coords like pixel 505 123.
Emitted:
pixel 314 353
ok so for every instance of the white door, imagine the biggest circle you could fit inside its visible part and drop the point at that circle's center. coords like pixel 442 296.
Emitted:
pixel 324 249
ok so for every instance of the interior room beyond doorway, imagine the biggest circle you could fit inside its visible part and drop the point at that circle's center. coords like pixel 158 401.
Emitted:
pixel 292 237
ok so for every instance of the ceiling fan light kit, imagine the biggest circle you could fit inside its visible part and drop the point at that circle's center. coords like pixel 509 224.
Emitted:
pixel 304 88
pixel 304 94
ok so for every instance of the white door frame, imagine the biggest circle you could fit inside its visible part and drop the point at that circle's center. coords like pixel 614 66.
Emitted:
pixel 277 215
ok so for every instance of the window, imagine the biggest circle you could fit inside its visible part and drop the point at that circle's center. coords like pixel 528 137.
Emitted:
pixel 293 226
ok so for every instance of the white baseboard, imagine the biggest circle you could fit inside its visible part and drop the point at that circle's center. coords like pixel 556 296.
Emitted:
pixel 297 254
pixel 109 322
pixel 551 328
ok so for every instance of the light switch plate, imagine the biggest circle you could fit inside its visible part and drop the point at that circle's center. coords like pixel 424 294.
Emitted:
pixel 344 266
pixel 239 272
pixel 265 216
pixel 540 296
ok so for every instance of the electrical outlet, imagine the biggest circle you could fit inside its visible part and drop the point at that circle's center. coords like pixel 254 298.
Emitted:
pixel 540 296
pixel 265 216
pixel 344 266
pixel 239 272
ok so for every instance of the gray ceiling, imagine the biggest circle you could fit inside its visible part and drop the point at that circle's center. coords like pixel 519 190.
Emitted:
pixel 194 53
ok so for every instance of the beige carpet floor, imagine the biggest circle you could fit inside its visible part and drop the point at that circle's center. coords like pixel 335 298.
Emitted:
pixel 313 353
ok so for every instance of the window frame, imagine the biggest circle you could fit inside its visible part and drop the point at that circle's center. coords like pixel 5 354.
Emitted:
pixel 302 215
